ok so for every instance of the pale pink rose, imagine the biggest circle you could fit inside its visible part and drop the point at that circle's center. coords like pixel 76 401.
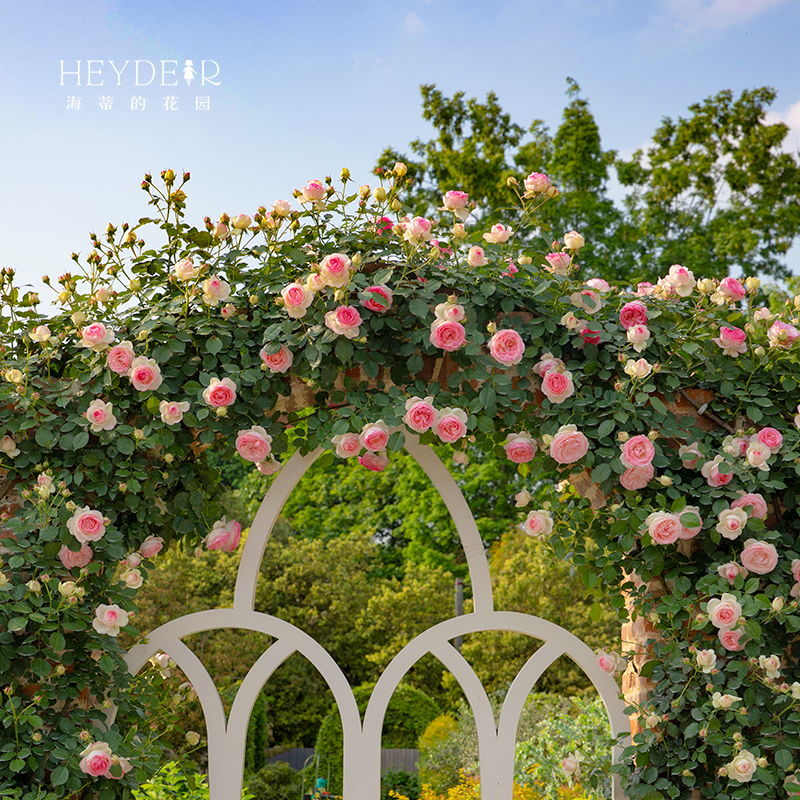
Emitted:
pixel 375 436
pixel 499 234
pixel 215 290
pixel 224 535
pixel 571 322
pixel 782 334
pixel 451 424
pixel 185 270
pixel 536 183
pixel 254 444
pixel 558 263
pixel 644 289
pixel 344 321
pixel 633 313
pixel 269 467
pixel 759 557
pixel 557 386
pixel 100 416
pixel 72 558
pixel 96 337
pixel 40 334
pixel 574 241
pixel 450 312
pixel 312 192
pixel 123 764
pixel 797 418
pixel 771 665
pixel 87 525
pixel 571 765
pixel 145 374
pixel 731 523
pixel 420 414
pixel 735 446
pixel 569 445
pixel 742 767
pixel 758 455
pixel 731 571
pixel 227 311
pixel 241 222
pixel 476 257
pixel 314 283
pixel 687 532
pixel 281 208
pixel 448 336
pixel 220 393
pixel 711 472
pixel 587 299
pixel 456 202
pixel 120 358
pixel 637 477
pixel 109 619
pixel 663 527
pixel 133 560
pixel 277 362
pixel 598 284
pixel 638 451
pixel 376 462
pixel 638 336
pixel 681 279
pixel 538 524
pixel 706 660
pixel 731 289
pixel 547 362
pixel 771 438
pixel 730 639
pixel 336 269
pixel 151 546
pixel 796 569
pixel 520 447
pixel 762 314
pixel 506 347
pixel 733 341
pixel 132 578
pixel 347 445
pixel 380 298
pixel 172 412
pixel 640 368
pixel 417 230
pixel 724 612
pixel 610 663
pixel 296 299
pixel 757 504
pixel 590 335
pixel 220 230
pixel 97 761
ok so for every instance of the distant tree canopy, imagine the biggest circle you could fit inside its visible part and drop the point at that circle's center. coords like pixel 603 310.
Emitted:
pixel 714 191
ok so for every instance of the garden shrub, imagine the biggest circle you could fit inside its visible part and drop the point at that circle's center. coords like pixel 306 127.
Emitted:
pixel 274 782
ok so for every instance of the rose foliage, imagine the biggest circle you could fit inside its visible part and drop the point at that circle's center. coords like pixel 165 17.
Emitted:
pixel 347 325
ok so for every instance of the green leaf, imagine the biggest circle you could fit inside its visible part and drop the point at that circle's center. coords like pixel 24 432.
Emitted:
pixel 125 445
pixel 59 775
pixel 213 346
pixel 601 472
pixel 344 349
pixel 57 641
pixel 397 441
pixel 419 308
pixel 605 427
pixel 44 437
pixel 17 623
pixel 81 439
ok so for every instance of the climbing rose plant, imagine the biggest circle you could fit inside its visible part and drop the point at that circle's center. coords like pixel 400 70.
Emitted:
pixel 337 322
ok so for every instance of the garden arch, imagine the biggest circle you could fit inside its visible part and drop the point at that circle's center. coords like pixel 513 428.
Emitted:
pixel 362 741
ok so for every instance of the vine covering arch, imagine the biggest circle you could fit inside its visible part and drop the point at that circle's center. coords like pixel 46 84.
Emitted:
pixel 337 321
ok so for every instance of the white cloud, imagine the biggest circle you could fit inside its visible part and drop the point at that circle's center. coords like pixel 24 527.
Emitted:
pixel 412 24
pixel 790 117
pixel 694 15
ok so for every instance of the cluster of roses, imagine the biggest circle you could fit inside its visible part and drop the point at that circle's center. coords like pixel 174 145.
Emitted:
pixel 98 761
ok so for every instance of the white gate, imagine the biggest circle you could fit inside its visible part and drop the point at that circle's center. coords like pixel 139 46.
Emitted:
pixel 362 742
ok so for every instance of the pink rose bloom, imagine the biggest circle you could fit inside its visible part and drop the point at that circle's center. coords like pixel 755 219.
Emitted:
pixel 220 393
pixel 451 424
pixel 536 183
pixel 637 477
pixel 100 416
pixel 344 321
pixel 558 263
pixel 644 288
pixel 587 299
pixel 759 557
pixel 520 447
pixel 296 299
pixel 638 451
pixel 185 270
pixel 120 358
pixel 96 337
pixel 506 347
pixel 731 289
pixel 731 523
pixel 450 312
pixel 731 571
pixel 376 462
pixel 172 412
pixel 417 230
pixel 380 298
pixel 710 471
pixel 796 569
pixel 241 222
pixel 72 558
pixel 269 467
pixel 730 639
pixel 574 241
pixel 457 203
pixel 758 455
pixel 590 336
pixel 633 313
pixel 557 386
pixel 254 444
pixel 448 336
pixel 109 619
pixel 314 283
pixel 336 269
pixel 476 257
pixel 151 546
pixel 538 524
pixel 758 506
pixel 224 535
pixel 96 759
pixel 312 191
pixel 123 764
pixel 347 445
pixel 782 334
pixel 375 436
pixel 499 234
pixel 87 525
pixel 686 532
pixel 569 445
pixel 735 445
pixel 599 284
pixel 548 362
pixel 277 362
pixel 664 528
pixel 420 414
pixel 771 438
pixel 681 279
pixel 610 663
pixel 724 612
pixel 733 341
pixel 215 290
pixel 145 374
pixel 638 336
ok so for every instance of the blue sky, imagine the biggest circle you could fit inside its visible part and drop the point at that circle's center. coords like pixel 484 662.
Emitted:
pixel 307 88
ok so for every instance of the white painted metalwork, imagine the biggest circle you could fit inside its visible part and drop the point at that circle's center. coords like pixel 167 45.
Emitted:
pixel 362 741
